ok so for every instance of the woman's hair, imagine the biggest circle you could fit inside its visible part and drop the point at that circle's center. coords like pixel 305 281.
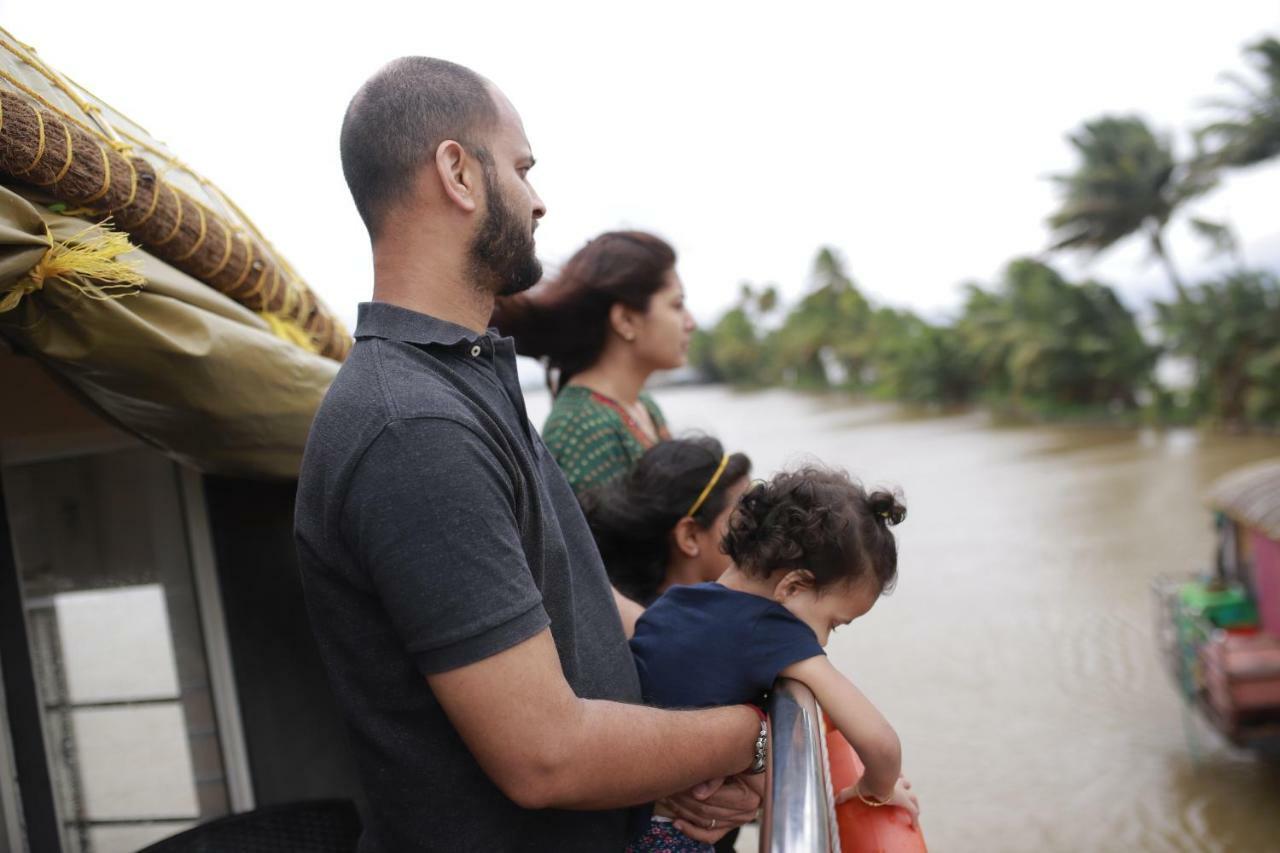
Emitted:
pixel 818 519
pixel 566 319
pixel 632 517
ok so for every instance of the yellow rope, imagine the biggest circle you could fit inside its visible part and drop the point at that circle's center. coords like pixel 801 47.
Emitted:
pixel 39 147
pixel 275 286
pixel 295 298
pixel 54 108
pixel 155 200
pixel 226 254
pixel 177 222
pixel 133 182
pixel 203 230
pixel 106 178
pixel 285 328
pixel 46 72
pixel 166 157
pixel 248 266
pixel 66 167
pixel 90 265
pixel 257 287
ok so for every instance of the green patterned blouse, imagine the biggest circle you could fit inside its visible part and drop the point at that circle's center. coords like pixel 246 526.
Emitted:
pixel 593 438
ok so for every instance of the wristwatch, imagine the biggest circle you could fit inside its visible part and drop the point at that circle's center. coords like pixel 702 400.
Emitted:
pixel 762 744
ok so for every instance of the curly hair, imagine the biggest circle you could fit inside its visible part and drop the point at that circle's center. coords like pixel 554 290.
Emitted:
pixel 632 517
pixel 820 520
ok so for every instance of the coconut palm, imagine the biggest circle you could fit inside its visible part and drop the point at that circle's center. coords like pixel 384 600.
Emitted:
pixel 1228 329
pixel 831 323
pixel 1039 338
pixel 1127 182
pixel 1248 131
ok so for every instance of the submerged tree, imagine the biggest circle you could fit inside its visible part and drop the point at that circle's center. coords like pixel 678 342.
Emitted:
pixel 1127 182
pixel 1248 131
pixel 1230 330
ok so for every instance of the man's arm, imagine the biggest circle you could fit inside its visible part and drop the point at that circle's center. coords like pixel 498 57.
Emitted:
pixel 546 748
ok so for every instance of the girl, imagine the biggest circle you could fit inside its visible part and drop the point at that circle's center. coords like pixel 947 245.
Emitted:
pixel 809 551
pixel 613 316
pixel 661 524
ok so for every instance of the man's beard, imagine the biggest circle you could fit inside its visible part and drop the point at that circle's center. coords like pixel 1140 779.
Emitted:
pixel 502 254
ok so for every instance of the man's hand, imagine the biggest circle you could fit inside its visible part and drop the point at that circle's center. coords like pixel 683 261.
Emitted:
pixel 707 811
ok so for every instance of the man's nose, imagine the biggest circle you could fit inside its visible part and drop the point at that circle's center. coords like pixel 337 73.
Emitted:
pixel 539 209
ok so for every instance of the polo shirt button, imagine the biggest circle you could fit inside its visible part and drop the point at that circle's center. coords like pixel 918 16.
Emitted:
pixel 475 351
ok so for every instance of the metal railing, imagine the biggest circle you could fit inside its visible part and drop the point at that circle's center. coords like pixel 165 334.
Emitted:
pixel 799 816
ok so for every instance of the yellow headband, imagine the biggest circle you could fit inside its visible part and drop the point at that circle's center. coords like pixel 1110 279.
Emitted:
pixel 715 478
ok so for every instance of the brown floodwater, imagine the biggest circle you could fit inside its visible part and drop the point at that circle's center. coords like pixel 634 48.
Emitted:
pixel 1017 657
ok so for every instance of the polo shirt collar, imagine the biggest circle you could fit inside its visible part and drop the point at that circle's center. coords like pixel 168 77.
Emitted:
pixel 384 320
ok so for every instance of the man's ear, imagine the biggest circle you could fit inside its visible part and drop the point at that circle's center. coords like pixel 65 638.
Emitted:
pixel 459 174
pixel 793 583
pixel 685 536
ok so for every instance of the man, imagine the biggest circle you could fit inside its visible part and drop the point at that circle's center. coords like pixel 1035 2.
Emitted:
pixel 460 605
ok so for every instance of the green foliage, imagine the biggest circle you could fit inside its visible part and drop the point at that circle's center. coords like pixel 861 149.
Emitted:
pixel 1230 329
pixel 1035 340
pixel 736 350
pixel 919 362
pixel 1038 338
pixel 1248 131
pixel 831 324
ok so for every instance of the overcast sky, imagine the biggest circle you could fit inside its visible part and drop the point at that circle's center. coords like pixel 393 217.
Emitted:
pixel 914 137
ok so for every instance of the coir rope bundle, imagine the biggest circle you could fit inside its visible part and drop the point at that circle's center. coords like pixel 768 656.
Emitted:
pixel 46 147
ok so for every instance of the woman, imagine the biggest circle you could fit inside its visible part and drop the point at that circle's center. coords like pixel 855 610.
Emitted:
pixel 661 524
pixel 613 316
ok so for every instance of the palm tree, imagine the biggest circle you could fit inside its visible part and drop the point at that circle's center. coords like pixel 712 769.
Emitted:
pixel 1128 181
pixel 1039 338
pixel 1249 130
pixel 1228 329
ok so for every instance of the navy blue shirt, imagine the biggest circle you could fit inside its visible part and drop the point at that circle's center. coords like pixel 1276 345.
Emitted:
pixel 706 645
pixel 434 530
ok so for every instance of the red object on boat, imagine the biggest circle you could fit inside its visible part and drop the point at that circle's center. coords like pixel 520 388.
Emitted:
pixel 863 828
pixel 1243 673
pixel 1266 578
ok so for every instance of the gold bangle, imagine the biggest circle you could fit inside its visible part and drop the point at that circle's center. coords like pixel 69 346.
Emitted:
pixel 874 803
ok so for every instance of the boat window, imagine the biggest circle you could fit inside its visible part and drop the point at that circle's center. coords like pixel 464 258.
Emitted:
pixel 117 649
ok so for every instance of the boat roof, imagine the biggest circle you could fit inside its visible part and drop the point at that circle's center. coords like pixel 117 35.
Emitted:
pixel 1251 496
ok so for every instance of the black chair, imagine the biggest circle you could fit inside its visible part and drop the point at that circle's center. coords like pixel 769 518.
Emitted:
pixel 314 826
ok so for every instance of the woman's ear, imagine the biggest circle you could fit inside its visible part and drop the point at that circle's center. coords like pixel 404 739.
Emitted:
pixel 685 535
pixel 793 583
pixel 622 319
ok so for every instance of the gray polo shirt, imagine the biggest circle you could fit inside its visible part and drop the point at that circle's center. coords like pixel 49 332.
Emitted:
pixel 434 529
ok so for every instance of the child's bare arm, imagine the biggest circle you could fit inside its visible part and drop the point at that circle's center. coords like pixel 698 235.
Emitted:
pixel 866 729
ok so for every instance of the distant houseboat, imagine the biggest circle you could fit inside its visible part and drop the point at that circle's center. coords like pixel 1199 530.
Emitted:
pixel 1220 632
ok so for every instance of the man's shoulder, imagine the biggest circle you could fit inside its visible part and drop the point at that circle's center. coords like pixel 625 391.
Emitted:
pixel 378 388
pixel 384 381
